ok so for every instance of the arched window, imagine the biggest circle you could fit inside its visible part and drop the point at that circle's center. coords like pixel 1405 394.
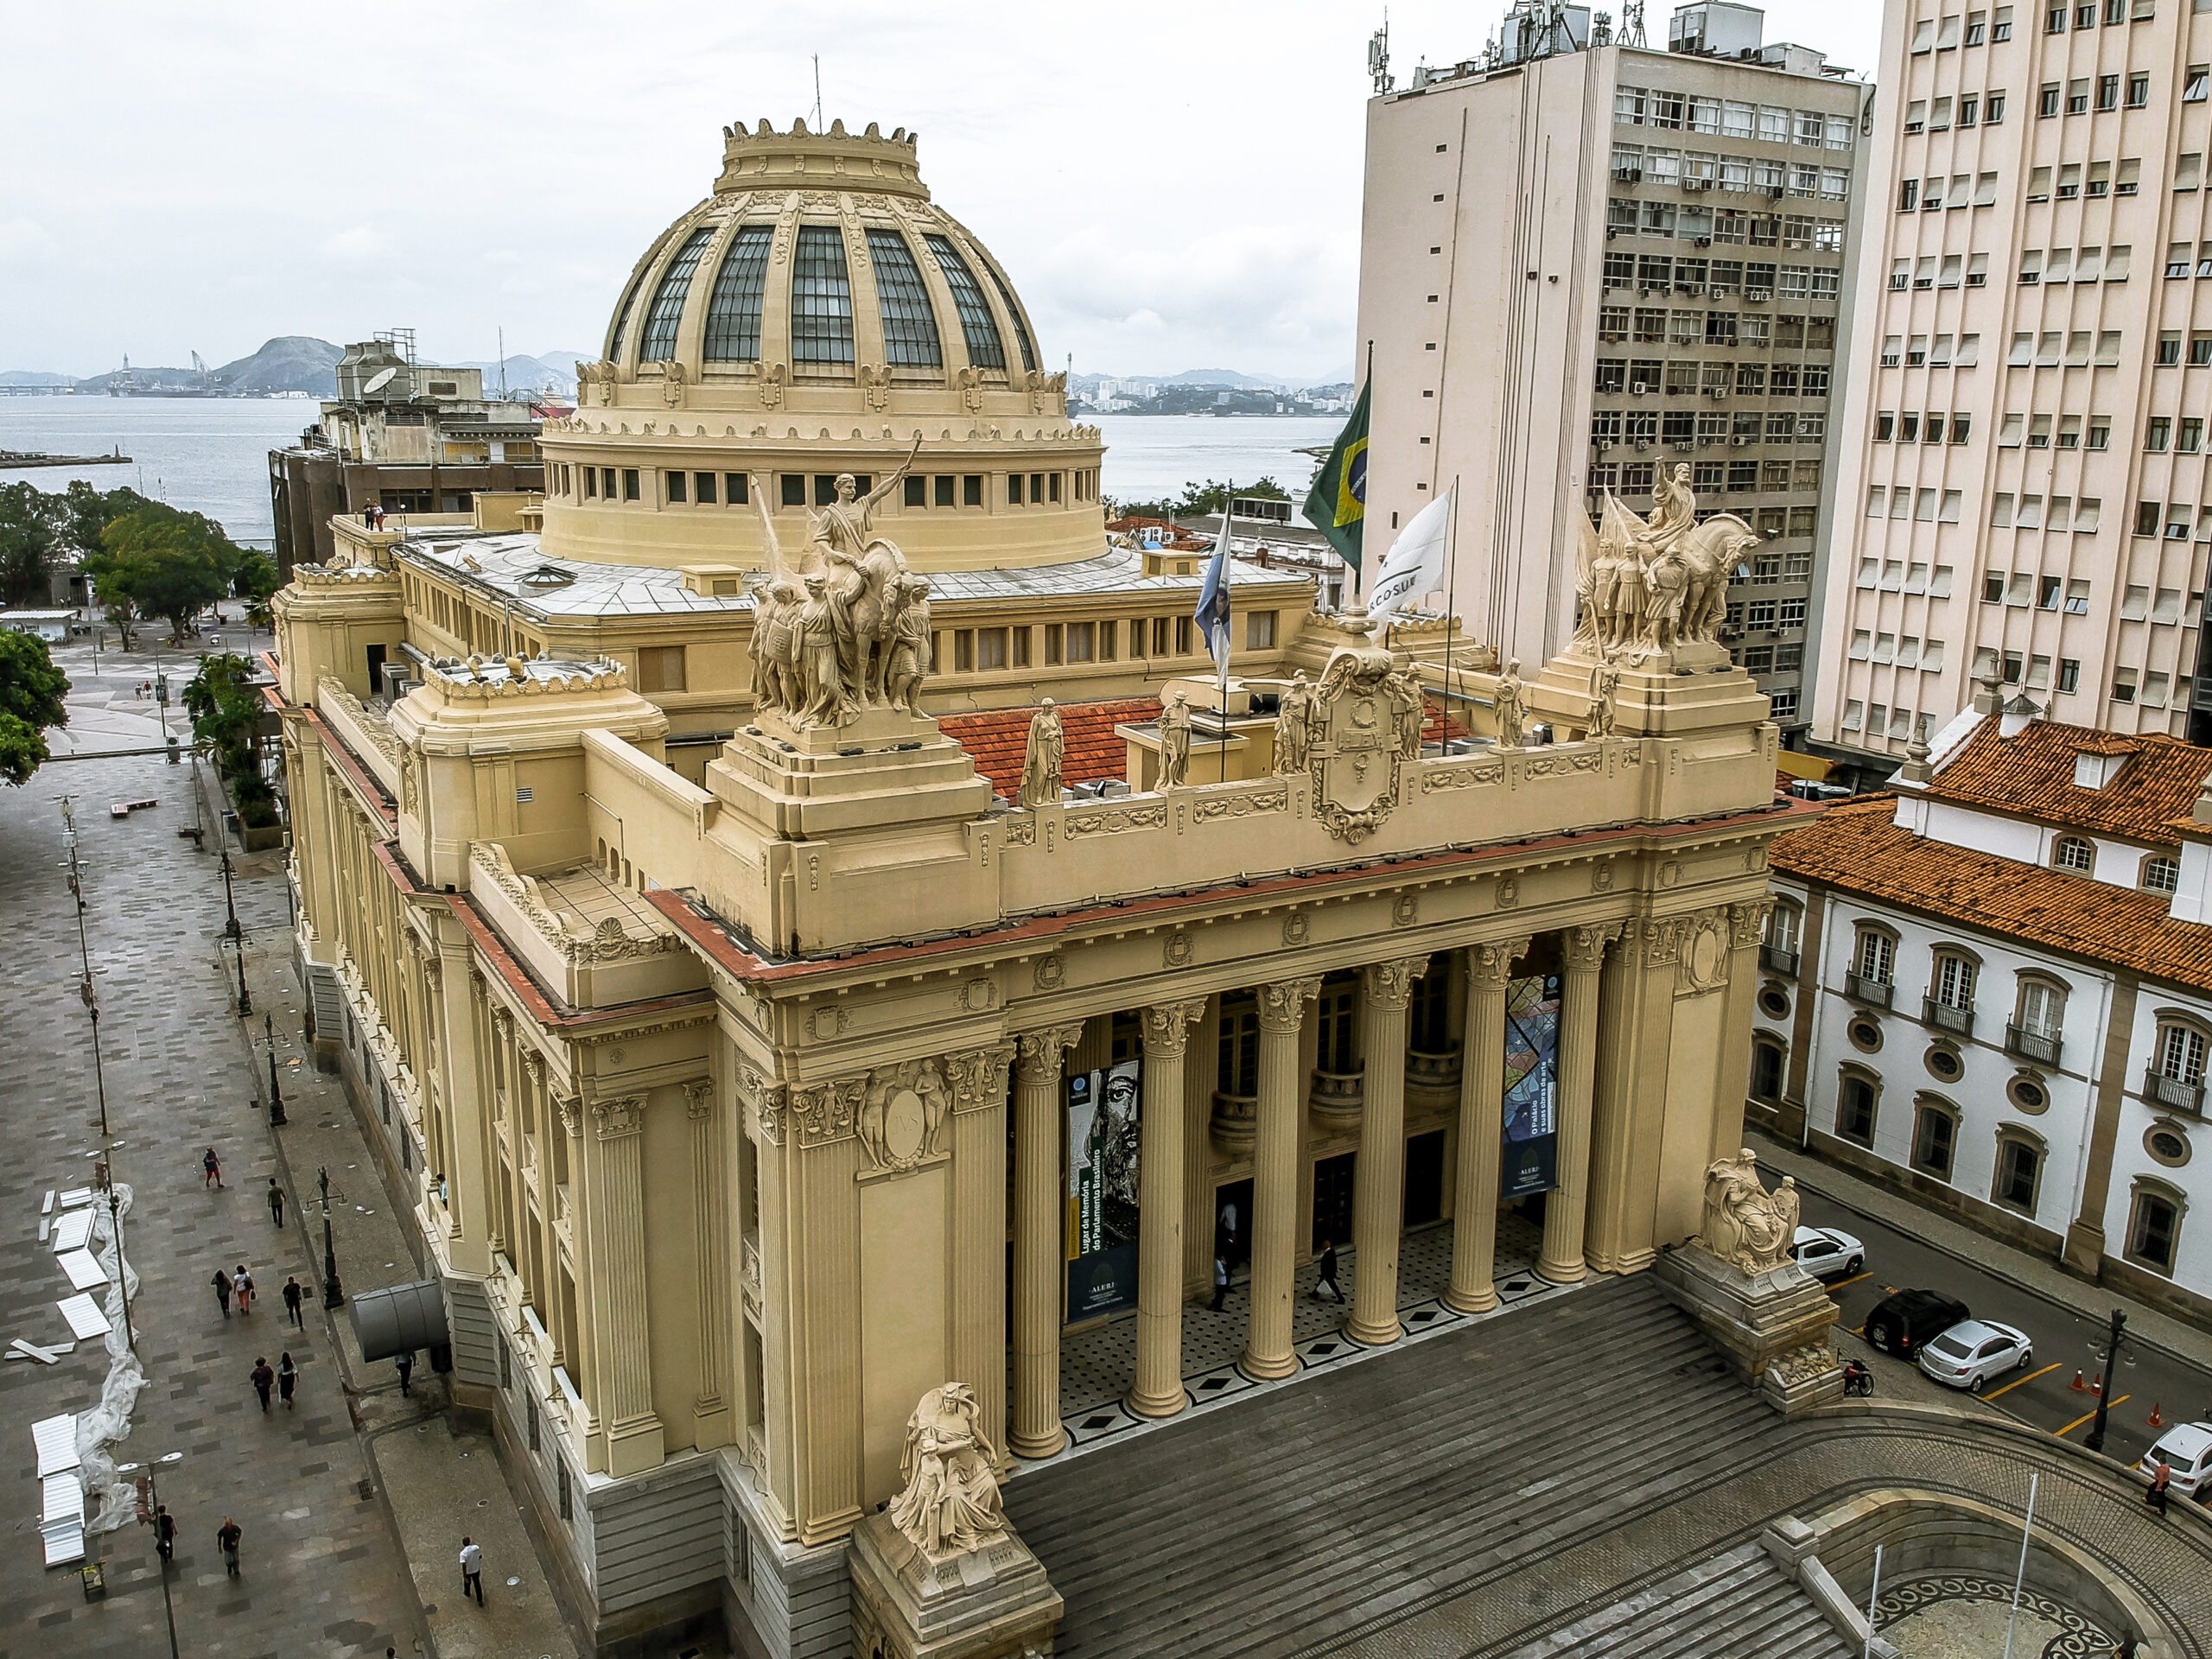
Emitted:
pixel 1767 1062
pixel 2161 873
pixel 2074 853
pixel 2154 1225
pixel 822 298
pixel 2038 1020
pixel 1784 926
pixel 1934 1136
pixel 734 308
pixel 1857 1093
pixel 2176 1071
pixel 658 343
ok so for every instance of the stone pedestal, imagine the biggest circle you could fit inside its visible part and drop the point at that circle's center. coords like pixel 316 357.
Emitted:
pixel 988 1602
pixel 1774 1328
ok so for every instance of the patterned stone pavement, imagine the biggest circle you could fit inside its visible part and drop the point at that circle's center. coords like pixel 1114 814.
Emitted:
pixel 323 1572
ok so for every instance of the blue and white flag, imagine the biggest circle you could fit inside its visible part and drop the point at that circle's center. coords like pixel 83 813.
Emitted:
pixel 1212 613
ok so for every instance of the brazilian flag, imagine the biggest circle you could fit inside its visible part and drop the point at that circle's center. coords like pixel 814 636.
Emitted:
pixel 1337 505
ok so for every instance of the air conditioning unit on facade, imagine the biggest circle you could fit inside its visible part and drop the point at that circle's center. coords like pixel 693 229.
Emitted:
pixel 1638 389
pixel 1682 446
pixel 1738 443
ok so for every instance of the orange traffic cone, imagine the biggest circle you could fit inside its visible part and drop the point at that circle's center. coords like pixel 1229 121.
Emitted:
pixel 2096 1385
pixel 2078 1385
pixel 2157 1419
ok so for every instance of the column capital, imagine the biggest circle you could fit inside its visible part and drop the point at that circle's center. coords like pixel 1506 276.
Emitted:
pixel 978 1075
pixel 1747 924
pixel 533 1064
pixel 1489 964
pixel 1389 985
pixel 768 1097
pixel 502 1023
pixel 1038 1053
pixel 699 1098
pixel 1583 948
pixel 1167 1026
pixel 618 1118
pixel 1282 1005
pixel 572 1113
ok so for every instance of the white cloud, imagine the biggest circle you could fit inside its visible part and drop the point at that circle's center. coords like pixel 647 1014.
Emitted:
pixel 354 246
pixel 23 241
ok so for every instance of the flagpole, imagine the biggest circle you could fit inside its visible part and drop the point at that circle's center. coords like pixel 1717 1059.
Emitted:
pixel 1359 572
pixel 1221 701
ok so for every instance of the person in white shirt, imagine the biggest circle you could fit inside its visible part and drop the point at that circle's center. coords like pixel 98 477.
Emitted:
pixel 472 1571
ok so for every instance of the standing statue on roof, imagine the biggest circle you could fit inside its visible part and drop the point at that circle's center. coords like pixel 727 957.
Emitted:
pixel 1040 764
pixel 1294 726
pixel 1175 742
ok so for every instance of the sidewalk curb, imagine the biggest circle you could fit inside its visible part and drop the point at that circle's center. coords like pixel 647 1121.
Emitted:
pixel 1995 1268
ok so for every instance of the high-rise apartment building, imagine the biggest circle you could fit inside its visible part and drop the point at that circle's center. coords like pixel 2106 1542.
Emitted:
pixel 2023 474
pixel 1583 262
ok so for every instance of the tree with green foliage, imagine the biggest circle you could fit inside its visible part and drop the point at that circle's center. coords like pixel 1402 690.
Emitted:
pixel 87 512
pixel 31 693
pixel 30 534
pixel 1197 500
pixel 166 563
pixel 226 709
pixel 256 582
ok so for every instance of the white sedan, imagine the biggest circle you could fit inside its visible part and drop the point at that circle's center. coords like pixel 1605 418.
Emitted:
pixel 1968 1354
pixel 1827 1254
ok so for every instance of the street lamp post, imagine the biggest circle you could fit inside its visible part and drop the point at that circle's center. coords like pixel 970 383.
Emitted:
pixel 245 999
pixel 277 1118
pixel 333 1296
pixel 2095 1441
pixel 230 928
pixel 130 1341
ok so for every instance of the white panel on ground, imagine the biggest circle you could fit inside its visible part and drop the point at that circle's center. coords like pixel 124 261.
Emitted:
pixel 72 1231
pixel 83 1268
pixel 56 1439
pixel 84 1317
pixel 77 1195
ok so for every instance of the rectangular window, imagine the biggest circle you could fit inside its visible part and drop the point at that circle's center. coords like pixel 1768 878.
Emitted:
pixel 675 482
pixel 1932 1136
pixel 702 489
pixel 660 668
pixel 917 491
pixel 1014 489
pixel 971 489
pixel 630 484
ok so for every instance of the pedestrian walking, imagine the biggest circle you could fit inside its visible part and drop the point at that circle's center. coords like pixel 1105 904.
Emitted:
pixel 242 1286
pixel 263 1379
pixel 1220 1280
pixel 228 1536
pixel 472 1571
pixel 286 1374
pixel 276 1202
pixel 1328 1273
pixel 164 1533
pixel 406 1363
pixel 223 1290
pixel 214 1167
pixel 293 1295
pixel 2156 1496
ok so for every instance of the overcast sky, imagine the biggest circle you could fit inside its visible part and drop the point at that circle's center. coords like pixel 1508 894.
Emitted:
pixel 1171 186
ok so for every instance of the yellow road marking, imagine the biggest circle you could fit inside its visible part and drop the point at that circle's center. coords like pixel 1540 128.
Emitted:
pixel 2030 1377
pixel 1840 1284
pixel 2085 1416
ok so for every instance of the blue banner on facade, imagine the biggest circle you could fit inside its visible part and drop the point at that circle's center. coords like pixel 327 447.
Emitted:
pixel 1529 1163
pixel 1104 1108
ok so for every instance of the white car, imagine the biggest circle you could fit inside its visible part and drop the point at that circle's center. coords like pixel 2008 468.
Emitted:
pixel 1827 1254
pixel 1971 1352
pixel 2186 1449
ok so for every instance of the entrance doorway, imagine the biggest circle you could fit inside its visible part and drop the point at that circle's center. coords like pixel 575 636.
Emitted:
pixel 1333 1190
pixel 1425 1179
pixel 1233 1200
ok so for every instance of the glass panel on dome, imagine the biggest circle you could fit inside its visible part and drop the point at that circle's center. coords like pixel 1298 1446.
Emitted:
pixel 821 298
pixel 658 344
pixel 734 308
pixel 985 349
pixel 1020 329
pixel 622 324
pixel 909 325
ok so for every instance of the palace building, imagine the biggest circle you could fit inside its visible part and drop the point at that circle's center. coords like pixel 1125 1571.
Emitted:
pixel 806 922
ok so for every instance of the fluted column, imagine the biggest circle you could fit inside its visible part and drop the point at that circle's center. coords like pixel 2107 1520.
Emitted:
pixel 633 1432
pixel 1481 1127
pixel 1379 1176
pixel 1268 1352
pixel 1039 1266
pixel 1159 1389
pixel 1582 953
pixel 709 1211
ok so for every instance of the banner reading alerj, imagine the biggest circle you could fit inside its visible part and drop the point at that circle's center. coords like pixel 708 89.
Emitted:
pixel 1104 1108
pixel 1337 505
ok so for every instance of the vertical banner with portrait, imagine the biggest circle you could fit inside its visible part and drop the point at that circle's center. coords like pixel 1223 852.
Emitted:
pixel 1529 1164
pixel 1104 1108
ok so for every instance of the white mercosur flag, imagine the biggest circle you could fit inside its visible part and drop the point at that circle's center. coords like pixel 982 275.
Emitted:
pixel 1414 565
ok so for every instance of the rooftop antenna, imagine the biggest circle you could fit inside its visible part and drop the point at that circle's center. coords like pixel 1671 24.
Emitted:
pixel 1632 23
pixel 1378 57
pixel 503 364
pixel 818 92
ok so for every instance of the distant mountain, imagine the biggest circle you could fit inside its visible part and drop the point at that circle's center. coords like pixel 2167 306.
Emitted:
pixel 1229 379
pixel 288 363
pixel 557 370
pixel 34 377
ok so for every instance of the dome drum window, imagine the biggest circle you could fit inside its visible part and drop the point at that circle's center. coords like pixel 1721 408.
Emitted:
pixel 909 339
pixel 979 330
pixel 657 344
pixel 821 299
pixel 734 308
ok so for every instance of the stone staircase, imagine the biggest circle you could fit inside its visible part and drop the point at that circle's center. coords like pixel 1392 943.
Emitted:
pixel 1737 1605
pixel 1316 1519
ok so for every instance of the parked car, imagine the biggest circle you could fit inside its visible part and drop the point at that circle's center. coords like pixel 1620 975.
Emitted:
pixel 1905 1320
pixel 1971 1352
pixel 2186 1449
pixel 1827 1254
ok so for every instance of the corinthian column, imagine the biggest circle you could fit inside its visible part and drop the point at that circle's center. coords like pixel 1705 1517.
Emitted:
pixel 708 1212
pixel 1275 1178
pixel 1481 1127
pixel 1039 1256
pixel 618 1277
pixel 1379 1176
pixel 1158 1390
pixel 1582 950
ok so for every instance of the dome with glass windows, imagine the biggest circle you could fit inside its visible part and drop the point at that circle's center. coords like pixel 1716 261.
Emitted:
pixel 818 316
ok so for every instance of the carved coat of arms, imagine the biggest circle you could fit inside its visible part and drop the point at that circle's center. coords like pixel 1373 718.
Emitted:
pixel 1366 724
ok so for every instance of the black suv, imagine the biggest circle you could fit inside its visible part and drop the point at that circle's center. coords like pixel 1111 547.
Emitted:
pixel 1904 1323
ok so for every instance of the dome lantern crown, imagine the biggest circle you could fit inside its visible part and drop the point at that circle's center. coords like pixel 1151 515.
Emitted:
pixel 764 159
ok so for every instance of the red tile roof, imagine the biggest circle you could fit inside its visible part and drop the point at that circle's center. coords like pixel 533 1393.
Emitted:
pixel 999 738
pixel 2032 775
pixel 1856 847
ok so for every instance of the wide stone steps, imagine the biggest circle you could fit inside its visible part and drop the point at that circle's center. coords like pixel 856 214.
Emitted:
pixel 1738 1604
pixel 1344 1500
